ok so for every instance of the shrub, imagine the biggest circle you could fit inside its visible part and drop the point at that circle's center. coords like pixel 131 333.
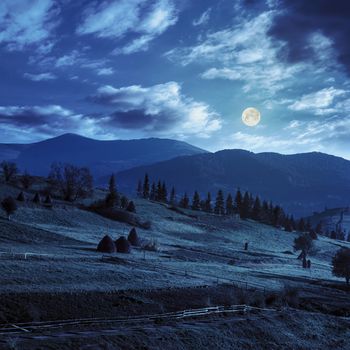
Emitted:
pixel 9 205
pixel 131 207
pixel 341 264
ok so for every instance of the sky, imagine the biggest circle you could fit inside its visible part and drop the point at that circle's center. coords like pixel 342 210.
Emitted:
pixel 122 69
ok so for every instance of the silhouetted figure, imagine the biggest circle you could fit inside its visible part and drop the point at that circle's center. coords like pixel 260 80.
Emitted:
pixel 309 264
pixel 246 246
pixel 304 263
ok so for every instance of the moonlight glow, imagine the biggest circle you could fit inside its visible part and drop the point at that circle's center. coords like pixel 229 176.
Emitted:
pixel 251 116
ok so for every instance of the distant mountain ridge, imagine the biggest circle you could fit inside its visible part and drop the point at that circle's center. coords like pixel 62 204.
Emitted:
pixel 102 157
pixel 301 183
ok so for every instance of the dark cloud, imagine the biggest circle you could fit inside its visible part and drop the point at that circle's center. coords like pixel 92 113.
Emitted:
pixel 137 119
pixel 299 19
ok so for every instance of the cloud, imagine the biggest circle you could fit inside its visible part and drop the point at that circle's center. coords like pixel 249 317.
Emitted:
pixel 160 108
pixel 116 19
pixel 203 18
pixel 105 71
pixel 319 102
pixel 69 59
pixel 298 22
pixel 39 76
pixel 244 53
pixel 44 120
pixel 24 23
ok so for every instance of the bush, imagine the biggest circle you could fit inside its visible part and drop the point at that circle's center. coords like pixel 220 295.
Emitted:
pixel 9 205
pixel 131 207
pixel 341 264
pixel 290 295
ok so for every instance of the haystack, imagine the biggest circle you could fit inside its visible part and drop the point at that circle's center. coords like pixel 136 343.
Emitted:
pixel 106 245
pixel 122 245
pixel 21 197
pixel 133 238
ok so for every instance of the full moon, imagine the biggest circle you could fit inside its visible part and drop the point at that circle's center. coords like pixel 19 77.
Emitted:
pixel 251 116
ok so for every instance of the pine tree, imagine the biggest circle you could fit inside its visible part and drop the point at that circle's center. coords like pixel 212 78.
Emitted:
pixel 230 210
pixel 245 207
pixel 111 198
pixel 153 193
pixel 256 212
pixel 238 201
pixel 139 189
pixel 318 228
pixel 173 196
pixel 265 212
pixel 159 191
pixel 219 208
pixel 145 190
pixel 184 202
pixel 164 193
pixel 277 215
pixel 207 205
pixel 301 225
pixel 196 201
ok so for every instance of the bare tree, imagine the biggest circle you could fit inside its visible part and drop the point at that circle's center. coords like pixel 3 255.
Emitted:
pixel 9 169
pixel 70 181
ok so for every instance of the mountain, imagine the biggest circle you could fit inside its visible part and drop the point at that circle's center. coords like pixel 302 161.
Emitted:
pixel 102 157
pixel 301 183
pixel 10 151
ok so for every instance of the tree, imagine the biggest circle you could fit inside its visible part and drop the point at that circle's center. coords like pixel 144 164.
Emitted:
pixel 173 196
pixel 9 205
pixel 139 189
pixel 70 181
pixel 112 198
pixel 303 243
pixel 124 202
pixel 219 208
pixel 164 193
pixel 145 190
pixel 159 191
pixel 36 198
pixel 245 206
pixel 184 202
pixel 196 201
pixel 9 170
pixel 301 225
pixel 207 204
pixel 341 264
pixel 152 195
pixel 230 209
pixel 238 201
pixel 131 207
pixel 256 212
pixel 26 180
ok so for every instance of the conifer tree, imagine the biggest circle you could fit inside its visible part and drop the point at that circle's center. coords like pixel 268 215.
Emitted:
pixel 112 196
pixel 256 212
pixel 184 202
pixel 153 193
pixel 301 225
pixel 229 205
pixel 238 201
pixel 245 207
pixel 159 191
pixel 196 201
pixel 145 190
pixel 207 205
pixel 219 208
pixel 164 193
pixel 139 189
pixel 172 196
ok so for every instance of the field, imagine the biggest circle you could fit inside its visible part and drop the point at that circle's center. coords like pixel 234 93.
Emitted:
pixel 50 270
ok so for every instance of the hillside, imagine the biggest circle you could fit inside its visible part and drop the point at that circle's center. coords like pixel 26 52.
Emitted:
pixel 51 271
pixel 102 157
pixel 301 183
